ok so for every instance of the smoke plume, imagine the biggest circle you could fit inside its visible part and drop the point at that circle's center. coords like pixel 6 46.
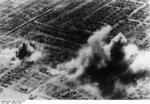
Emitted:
pixel 116 68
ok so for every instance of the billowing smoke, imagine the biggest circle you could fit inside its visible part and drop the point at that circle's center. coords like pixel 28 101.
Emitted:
pixel 29 52
pixel 14 56
pixel 116 68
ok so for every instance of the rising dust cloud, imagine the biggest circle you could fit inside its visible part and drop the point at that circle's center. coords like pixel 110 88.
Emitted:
pixel 117 70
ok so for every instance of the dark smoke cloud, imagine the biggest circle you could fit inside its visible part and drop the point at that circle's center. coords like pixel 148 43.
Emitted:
pixel 114 67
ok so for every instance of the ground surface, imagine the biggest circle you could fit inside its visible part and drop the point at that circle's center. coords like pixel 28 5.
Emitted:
pixel 61 27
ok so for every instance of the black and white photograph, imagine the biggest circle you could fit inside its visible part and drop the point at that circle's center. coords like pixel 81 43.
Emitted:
pixel 74 50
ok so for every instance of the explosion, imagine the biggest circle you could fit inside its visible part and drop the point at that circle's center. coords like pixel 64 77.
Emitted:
pixel 114 69
pixel 13 57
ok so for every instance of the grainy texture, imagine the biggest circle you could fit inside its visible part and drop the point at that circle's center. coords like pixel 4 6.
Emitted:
pixel 62 31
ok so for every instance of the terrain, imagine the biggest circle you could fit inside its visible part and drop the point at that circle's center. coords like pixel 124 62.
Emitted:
pixel 53 31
